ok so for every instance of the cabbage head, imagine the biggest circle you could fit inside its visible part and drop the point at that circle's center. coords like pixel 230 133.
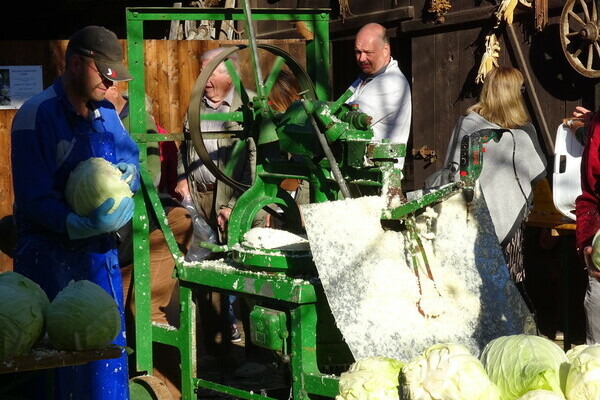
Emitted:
pixel 583 381
pixel 83 316
pixel 596 250
pixel 446 371
pixel 518 364
pixel 13 279
pixel 371 378
pixel 21 321
pixel 91 183
pixel 574 352
pixel 541 394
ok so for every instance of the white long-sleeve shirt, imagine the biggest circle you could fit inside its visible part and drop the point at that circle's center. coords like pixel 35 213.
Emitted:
pixel 385 96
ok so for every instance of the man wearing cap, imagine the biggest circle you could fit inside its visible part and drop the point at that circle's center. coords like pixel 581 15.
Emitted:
pixel 51 134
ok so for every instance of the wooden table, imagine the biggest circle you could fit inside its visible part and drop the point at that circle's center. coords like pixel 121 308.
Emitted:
pixel 46 358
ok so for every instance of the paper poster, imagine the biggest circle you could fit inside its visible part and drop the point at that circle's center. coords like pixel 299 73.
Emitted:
pixel 19 83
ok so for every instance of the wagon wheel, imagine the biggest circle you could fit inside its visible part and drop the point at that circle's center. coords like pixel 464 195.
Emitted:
pixel 148 388
pixel 250 115
pixel 579 36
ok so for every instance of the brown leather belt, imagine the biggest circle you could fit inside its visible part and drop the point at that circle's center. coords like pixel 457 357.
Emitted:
pixel 202 187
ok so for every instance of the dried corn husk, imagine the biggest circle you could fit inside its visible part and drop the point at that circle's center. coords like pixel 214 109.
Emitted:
pixel 489 60
pixel 506 10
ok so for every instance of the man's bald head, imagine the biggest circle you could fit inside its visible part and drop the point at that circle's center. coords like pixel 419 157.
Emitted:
pixel 372 48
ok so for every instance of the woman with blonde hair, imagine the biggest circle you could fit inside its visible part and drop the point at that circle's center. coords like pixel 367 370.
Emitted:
pixel 511 166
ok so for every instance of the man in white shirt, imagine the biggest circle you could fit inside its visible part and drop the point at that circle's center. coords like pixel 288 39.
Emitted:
pixel 381 90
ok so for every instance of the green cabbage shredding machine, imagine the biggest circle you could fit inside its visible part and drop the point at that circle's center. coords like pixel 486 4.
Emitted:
pixel 332 150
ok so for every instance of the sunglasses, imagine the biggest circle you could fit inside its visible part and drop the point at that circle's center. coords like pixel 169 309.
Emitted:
pixel 89 64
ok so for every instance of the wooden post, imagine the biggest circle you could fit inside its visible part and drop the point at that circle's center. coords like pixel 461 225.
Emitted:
pixel 541 14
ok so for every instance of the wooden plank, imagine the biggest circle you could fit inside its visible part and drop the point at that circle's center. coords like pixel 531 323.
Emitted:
pixel 423 92
pixel 350 25
pixel 185 84
pixel 162 81
pixel 6 189
pixel 46 358
pixel 466 19
pixel 173 74
pixel 447 83
pixel 150 82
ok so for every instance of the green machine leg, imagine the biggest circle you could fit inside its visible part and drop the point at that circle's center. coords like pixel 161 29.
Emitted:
pixel 187 344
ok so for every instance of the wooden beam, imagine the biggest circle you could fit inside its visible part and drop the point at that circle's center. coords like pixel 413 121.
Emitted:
pixel 461 20
pixel 351 25
pixel 387 18
pixel 538 110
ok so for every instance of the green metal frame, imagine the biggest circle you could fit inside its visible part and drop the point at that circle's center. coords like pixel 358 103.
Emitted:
pixel 297 298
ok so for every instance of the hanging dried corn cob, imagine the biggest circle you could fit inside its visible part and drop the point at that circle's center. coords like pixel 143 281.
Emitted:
pixel 489 60
pixel 505 11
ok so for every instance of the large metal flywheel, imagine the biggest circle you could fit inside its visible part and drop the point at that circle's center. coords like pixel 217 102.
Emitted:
pixel 255 107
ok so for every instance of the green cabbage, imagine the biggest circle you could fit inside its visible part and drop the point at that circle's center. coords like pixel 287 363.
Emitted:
pixel 541 394
pixel 583 381
pixel 518 364
pixel 21 320
pixel 371 378
pixel 447 371
pixel 92 182
pixel 11 278
pixel 83 316
pixel 596 250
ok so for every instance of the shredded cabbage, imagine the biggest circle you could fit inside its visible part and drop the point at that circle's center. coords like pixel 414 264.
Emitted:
pixel 83 316
pixel 446 371
pixel 518 364
pixel 91 183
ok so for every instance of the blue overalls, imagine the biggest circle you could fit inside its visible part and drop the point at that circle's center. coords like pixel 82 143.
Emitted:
pixel 52 259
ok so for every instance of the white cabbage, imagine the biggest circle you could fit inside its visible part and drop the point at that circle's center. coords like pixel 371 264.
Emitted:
pixel 371 378
pixel 574 352
pixel 583 381
pixel 518 364
pixel 92 182
pixel 83 316
pixel 446 371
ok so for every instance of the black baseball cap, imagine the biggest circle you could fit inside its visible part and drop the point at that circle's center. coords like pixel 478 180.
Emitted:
pixel 104 48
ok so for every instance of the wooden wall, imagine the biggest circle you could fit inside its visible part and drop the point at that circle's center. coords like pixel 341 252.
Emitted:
pixel 171 71
pixel 444 63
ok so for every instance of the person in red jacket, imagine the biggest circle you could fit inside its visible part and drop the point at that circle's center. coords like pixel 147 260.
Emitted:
pixel 587 211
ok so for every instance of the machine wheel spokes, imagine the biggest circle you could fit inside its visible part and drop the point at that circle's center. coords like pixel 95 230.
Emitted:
pixel 579 36
pixel 247 118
